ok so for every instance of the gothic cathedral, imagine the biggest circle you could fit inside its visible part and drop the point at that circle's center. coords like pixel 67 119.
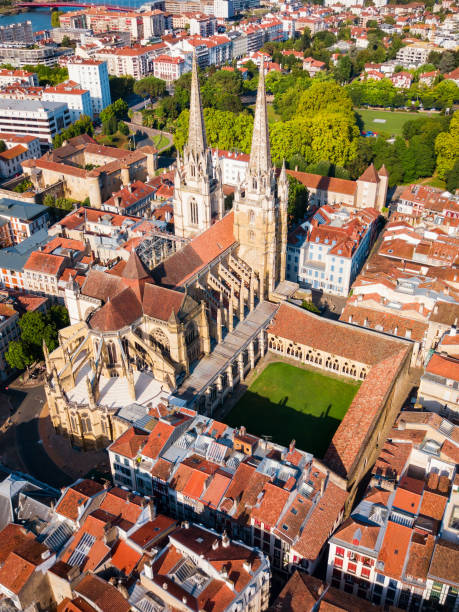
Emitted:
pixel 260 201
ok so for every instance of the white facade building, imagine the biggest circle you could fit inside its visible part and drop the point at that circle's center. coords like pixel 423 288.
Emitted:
pixel 233 166
pixel 169 68
pixel 328 252
pixel 77 99
pixel 93 76
pixel 33 117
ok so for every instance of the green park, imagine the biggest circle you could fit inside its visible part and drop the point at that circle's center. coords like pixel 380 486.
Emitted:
pixel 286 402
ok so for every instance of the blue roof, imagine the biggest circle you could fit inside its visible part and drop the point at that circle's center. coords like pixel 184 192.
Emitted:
pixel 20 209
pixel 15 257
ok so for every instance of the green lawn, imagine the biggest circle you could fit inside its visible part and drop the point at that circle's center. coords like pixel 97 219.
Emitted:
pixel 160 141
pixel 287 402
pixel 393 120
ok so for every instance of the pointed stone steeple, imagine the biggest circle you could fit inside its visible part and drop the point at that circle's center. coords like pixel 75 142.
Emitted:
pixel 197 142
pixel 260 153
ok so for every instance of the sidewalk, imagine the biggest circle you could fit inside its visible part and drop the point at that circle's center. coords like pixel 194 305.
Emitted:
pixel 73 462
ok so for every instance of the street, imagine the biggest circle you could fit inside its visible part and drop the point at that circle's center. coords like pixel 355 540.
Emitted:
pixel 20 444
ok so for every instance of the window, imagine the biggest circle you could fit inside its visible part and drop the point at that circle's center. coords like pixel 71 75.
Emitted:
pixel 380 578
pixel 352 568
pixel 251 217
pixel 194 216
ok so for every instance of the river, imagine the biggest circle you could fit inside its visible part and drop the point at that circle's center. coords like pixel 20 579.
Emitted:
pixel 41 18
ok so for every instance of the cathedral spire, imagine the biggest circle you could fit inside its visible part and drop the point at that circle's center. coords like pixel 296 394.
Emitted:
pixel 196 130
pixel 260 154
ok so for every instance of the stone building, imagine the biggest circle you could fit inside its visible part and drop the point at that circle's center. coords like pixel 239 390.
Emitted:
pixel 137 334
pixel 89 170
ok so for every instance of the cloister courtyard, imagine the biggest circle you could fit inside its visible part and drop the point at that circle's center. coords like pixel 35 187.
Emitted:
pixel 287 402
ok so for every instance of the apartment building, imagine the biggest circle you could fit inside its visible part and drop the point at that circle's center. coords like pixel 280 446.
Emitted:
pixel 422 204
pixel 13 259
pixel 91 75
pixel 415 54
pixel 233 165
pixel 202 25
pixel 328 251
pixel 22 218
pixel 20 32
pixel 168 68
pixel 34 118
pixel 439 386
pixel 399 545
pixel 128 61
pixel 264 494
pixel 22 77
pixel 48 269
pixel 73 95
pixel 18 148
pixel 19 56
pixel 213 560
pixel 154 23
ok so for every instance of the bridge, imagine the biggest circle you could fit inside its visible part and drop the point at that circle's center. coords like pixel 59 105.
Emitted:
pixel 76 5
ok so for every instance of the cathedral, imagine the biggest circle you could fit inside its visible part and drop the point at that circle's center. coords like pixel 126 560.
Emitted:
pixel 188 330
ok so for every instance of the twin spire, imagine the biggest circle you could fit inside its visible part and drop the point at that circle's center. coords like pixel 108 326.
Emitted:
pixel 260 154
pixel 197 142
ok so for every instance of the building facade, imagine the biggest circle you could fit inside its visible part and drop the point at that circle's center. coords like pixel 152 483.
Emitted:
pixel 93 76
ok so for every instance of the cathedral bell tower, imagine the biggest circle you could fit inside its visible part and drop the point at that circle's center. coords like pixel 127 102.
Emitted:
pixel 260 206
pixel 198 193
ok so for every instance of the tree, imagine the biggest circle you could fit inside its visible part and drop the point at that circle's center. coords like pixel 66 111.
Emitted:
pixel 452 177
pixel 55 22
pixel 18 355
pixel 2 146
pixel 48 75
pixel 150 87
pixel 83 125
pixel 123 128
pixel 447 147
pixel 324 96
pixel 117 109
pixel 121 87
pixel 298 197
pixel 447 62
pixel 110 126
pixel 343 69
pixel 66 42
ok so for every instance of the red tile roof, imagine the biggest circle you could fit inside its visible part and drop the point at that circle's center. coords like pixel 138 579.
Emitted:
pixel 298 325
pixel 446 367
pixel 103 595
pixel 179 268
pixel 130 443
pixel 394 548
pixel 44 263
pixel 77 495
pixel 324 183
pixel 125 558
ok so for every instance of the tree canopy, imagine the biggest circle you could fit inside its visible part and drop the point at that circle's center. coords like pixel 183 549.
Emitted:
pixel 36 327
pixel 150 87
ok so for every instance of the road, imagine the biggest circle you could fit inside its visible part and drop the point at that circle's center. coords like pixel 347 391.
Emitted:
pixel 28 454
pixel 153 132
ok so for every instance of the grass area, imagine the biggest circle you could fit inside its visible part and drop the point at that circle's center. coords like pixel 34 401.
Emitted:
pixel 287 402
pixel 394 121
pixel 159 141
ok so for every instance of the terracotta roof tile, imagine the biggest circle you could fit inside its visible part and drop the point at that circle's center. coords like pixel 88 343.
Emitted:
pixel 105 597
pixel 129 444
pixel 324 183
pixel 445 562
pixel 77 495
pixel 394 548
pixel 125 558
pixel 178 268
pixel 120 311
